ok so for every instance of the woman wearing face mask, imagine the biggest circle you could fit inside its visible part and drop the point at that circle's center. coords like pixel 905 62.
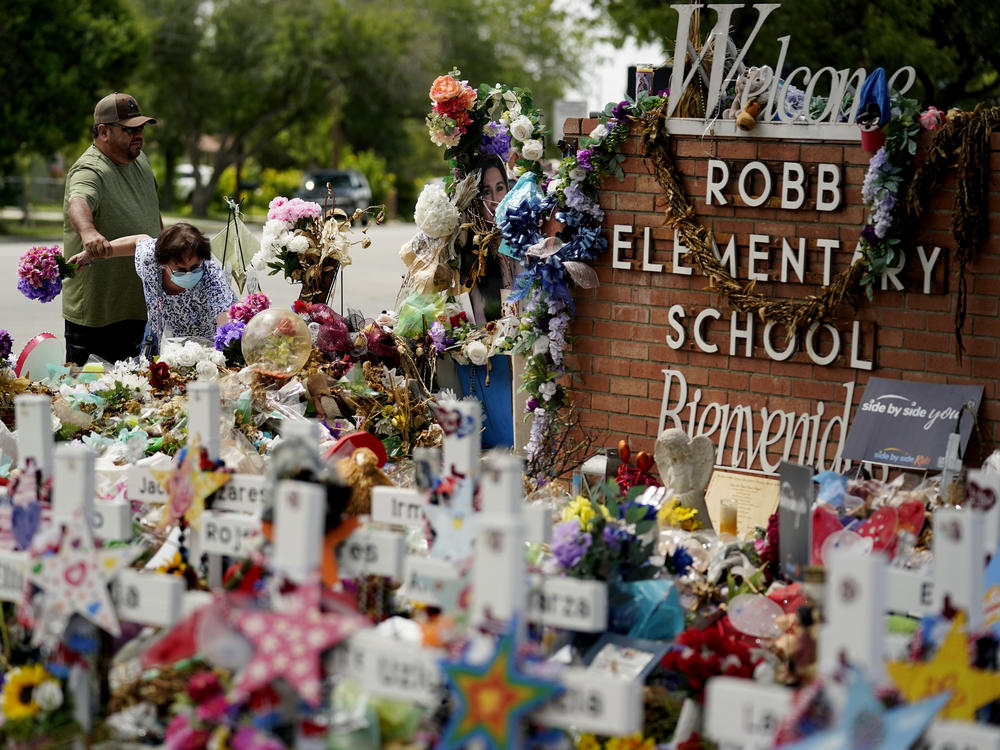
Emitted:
pixel 186 291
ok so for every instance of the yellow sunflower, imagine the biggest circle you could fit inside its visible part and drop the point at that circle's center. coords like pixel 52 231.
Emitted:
pixel 588 742
pixel 632 742
pixel 18 700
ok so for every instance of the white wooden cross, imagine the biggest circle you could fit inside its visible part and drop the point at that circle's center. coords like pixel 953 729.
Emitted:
pixel 959 562
pixel 950 463
pixel 33 417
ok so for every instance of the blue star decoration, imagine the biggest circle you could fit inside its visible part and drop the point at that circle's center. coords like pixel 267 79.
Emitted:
pixel 866 725
pixel 491 699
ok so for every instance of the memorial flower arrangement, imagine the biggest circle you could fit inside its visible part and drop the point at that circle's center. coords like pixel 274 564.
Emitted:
pixel 34 707
pixel 885 181
pixel 6 347
pixel 40 272
pixel 307 247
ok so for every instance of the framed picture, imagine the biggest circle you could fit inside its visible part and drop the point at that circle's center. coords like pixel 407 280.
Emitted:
pixel 621 656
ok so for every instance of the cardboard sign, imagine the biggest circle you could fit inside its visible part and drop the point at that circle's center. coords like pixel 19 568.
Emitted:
pixel 907 424
pixel 744 713
pixel 794 520
pixel 570 603
pixel 595 703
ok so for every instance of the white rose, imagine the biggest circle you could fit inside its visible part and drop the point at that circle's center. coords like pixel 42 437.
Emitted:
pixel 600 132
pixel 48 695
pixel 577 175
pixel 477 353
pixel 298 244
pixel 548 390
pixel 206 370
pixel 521 128
pixel 541 345
pixel 532 150
pixel 554 185
pixel 260 260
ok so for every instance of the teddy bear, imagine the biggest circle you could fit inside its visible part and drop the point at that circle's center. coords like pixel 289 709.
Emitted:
pixel 750 96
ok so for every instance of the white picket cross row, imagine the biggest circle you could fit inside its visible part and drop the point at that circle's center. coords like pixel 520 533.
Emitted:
pixel 854 609
pixel 299 512
pixel 983 496
pixel 73 484
pixel 372 552
pixel 33 419
pixel 204 411
pixel 959 562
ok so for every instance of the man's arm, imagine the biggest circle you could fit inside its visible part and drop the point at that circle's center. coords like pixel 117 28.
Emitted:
pixel 95 244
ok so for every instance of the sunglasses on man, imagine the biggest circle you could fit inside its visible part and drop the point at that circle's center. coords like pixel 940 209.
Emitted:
pixel 131 130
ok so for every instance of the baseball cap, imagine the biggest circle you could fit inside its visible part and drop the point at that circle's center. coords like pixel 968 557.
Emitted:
pixel 122 109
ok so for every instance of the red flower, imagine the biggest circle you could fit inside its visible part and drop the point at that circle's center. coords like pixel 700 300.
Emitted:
pixel 203 686
pixel 300 306
pixel 159 373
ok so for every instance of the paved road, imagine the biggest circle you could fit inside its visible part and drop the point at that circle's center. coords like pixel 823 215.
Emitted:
pixel 369 284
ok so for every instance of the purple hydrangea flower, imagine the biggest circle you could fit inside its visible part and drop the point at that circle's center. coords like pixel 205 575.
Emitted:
pixel 583 159
pixel 614 537
pixel 496 140
pixel 228 333
pixel 569 543
pixel 46 292
pixel 6 344
pixel 438 338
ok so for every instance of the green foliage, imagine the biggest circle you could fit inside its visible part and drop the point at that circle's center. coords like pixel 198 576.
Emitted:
pixel 57 59
pixel 376 170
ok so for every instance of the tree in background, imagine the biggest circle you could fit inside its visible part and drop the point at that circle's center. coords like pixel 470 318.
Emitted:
pixel 57 59
pixel 950 44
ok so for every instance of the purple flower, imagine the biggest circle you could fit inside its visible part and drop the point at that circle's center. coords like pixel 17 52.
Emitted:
pixel 621 110
pixel 6 344
pixel 496 139
pixel 583 159
pixel 45 292
pixel 228 333
pixel 614 537
pixel 532 404
pixel 437 333
pixel 868 234
pixel 569 543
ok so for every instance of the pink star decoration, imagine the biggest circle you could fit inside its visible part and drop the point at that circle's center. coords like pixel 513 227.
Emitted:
pixel 75 580
pixel 187 486
pixel 289 644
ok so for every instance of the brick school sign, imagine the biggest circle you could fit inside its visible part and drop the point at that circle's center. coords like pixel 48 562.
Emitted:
pixel 658 347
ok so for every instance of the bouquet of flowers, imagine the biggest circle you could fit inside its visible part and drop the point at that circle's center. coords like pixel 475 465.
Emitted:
pixel 34 708
pixel 41 271
pixel 305 246
pixel 449 118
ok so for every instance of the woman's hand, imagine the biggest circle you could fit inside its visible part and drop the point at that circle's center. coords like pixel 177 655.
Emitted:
pixel 82 259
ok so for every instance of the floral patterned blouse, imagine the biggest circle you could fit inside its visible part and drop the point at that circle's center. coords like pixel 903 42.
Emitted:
pixel 190 313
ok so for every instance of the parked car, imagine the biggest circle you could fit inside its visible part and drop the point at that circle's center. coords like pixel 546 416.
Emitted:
pixel 184 179
pixel 350 188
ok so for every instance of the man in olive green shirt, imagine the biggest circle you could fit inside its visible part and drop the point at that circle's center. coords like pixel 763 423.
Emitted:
pixel 110 193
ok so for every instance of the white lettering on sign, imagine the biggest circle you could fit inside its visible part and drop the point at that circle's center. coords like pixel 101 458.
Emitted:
pixel 394 669
pixel 143 487
pixel 13 569
pixel 148 598
pixel 593 702
pixel 744 712
pixel 372 552
pixel 225 533
pixel 243 493
pixel 570 603
pixel 737 427
pixel 398 506
pixel 112 520
pixel 959 735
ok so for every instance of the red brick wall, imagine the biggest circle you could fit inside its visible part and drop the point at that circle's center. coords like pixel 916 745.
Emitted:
pixel 621 351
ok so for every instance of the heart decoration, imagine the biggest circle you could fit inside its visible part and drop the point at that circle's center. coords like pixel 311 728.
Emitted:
pixel 882 528
pixel 981 498
pixel 75 574
pixel 824 523
pixel 26 519
pixel 911 516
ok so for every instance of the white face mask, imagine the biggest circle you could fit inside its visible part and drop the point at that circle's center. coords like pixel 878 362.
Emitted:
pixel 187 279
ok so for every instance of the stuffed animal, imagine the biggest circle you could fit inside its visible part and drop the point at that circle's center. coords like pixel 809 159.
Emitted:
pixel 751 96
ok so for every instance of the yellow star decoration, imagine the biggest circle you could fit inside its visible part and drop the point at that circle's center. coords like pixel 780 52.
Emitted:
pixel 948 670
pixel 187 486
